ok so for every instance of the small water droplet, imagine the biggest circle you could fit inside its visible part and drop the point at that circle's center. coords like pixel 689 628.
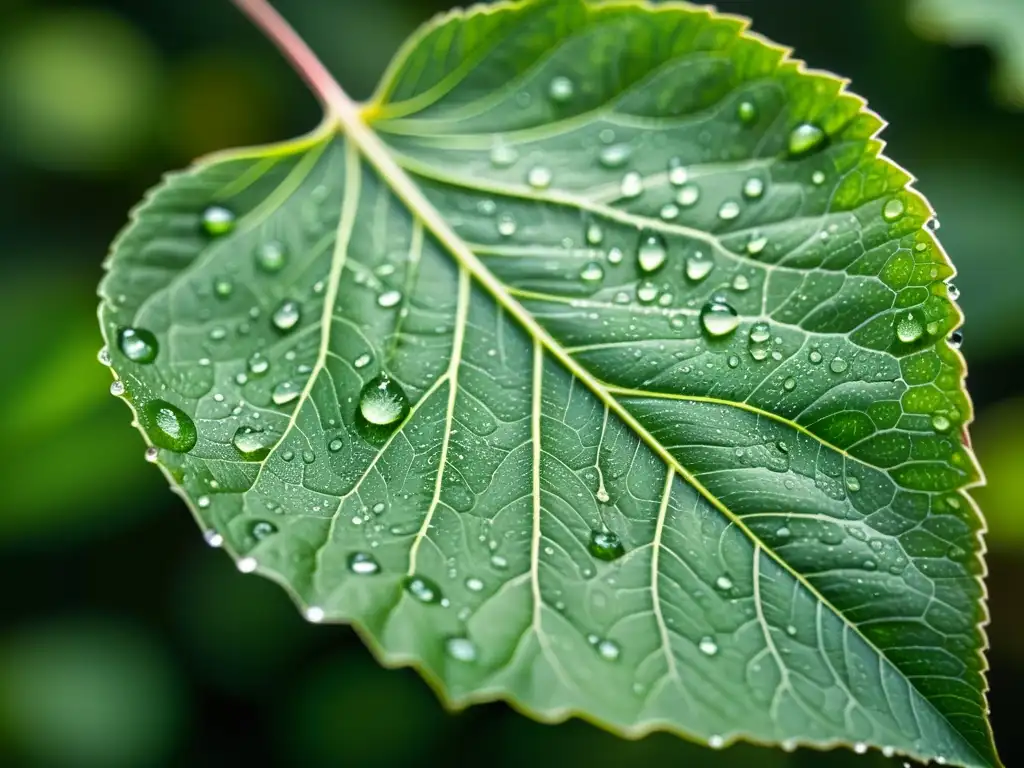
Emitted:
pixel 261 529
pixel 285 392
pixel 614 156
pixel 724 583
pixel 860 747
pixel 815 356
pixel 838 365
pixel 252 442
pixel 677 173
pixel 592 272
pixel 893 209
pixel 117 388
pixel 286 316
pixel 460 649
pixel 908 329
pixel 733 361
pixel 168 426
pixel 818 178
pixel 760 333
pixel 669 211
pixel 932 225
pixel 956 339
pixel 138 345
pixel 218 220
pixel 952 291
pixel 615 256
pixel 389 299
pixel 203 502
pixel 595 234
pixel 258 365
pixel 499 562
pixel 632 184
pixel 707 646
pixel 605 545
pixel 560 89
pixel 651 253
pixel 539 177
pixel 247 564
pixel 608 650
pixel 740 283
pixel 715 741
pixel 753 188
pixel 382 402
pixel 698 267
pixel 730 210
pixel 718 318
pixel 212 538
pixel 271 256
pixel 746 111
pixel 222 287
pixel 756 245
pixel 474 584
pixel 805 138
pixel 852 484
pixel 503 155
pixel 941 423
pixel 646 292
pixel 363 564
pixel 506 225
pixel 152 454
pixel 103 356
pixel 789 384
pixel 688 195
pixel 423 589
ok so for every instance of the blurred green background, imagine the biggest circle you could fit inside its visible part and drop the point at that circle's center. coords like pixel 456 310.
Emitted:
pixel 124 641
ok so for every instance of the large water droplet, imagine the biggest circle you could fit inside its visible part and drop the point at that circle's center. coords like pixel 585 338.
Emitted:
pixel 382 402
pixel 753 188
pixel 805 138
pixel 117 388
pixel 608 650
pixel 605 545
pixel 389 299
pixel 838 365
pixel 285 392
pixel 261 529
pixel 614 156
pixel 724 583
pixel 271 256
pixel 363 564
pixel 688 195
pixel 218 220
pixel 460 649
pixel 756 245
pixel 646 292
pixel 252 442
pixel 909 329
pixel 539 177
pixel 651 253
pixel 592 272
pixel 718 318
pixel 730 210
pixel 503 155
pixel 560 89
pixel 893 209
pixel 698 267
pixel 708 646
pixel 677 173
pixel 423 589
pixel 138 345
pixel 760 333
pixel 632 184
pixel 168 426
pixel 286 316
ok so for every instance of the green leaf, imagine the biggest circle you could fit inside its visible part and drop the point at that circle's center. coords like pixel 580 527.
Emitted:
pixel 600 364
pixel 998 24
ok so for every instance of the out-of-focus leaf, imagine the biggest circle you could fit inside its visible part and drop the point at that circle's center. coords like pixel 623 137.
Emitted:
pixel 999 442
pixel 87 695
pixel 79 89
pixel 600 364
pixel 998 24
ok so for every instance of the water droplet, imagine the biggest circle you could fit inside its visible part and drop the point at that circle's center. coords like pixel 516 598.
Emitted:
pixel 605 545
pixel 746 111
pixel 212 538
pixel 852 484
pixel 594 233
pixel 805 138
pixel 951 290
pixel 252 442
pixel 138 345
pixel 382 401
pixel 423 589
pixel 677 173
pixel 506 225
pixel 723 583
pixel 789 384
pixel 258 365
pixel 389 299
pixel 651 253
pixel 632 184
pixel 335 445
pixel 888 751
pixel 218 220
pixel 753 188
pixel 608 650
pixel 286 316
pixel 539 177
pixel 168 426
pixel 271 256
pixel 718 318
pixel 561 89
pixel 503 155
pixel 733 361
pixel 818 178
pixel 908 329
pixel 460 649
pixel 499 562
pixel 474 584
pixel 117 388
pixel 715 741
pixel 814 356
pixel 698 267
pixel 756 245
pixel 932 225
pixel 614 156
pixel 730 210
pixel 893 209
pixel 956 339
pixel 941 423
pixel 669 211
pixel 860 747
pixel 315 614
pixel 838 365
pixel 615 256
pixel 203 502
pixel 363 564
pixel 285 392
pixel 261 529
pixel 760 333
pixel 592 272
pixel 707 646
pixel 247 564
pixel 646 292
pixel 362 361
pixel 740 283
pixel 222 287
pixel 688 195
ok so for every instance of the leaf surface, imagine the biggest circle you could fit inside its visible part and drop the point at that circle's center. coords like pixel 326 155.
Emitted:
pixel 605 372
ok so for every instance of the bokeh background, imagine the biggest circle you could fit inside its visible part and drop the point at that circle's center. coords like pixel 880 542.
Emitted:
pixel 127 643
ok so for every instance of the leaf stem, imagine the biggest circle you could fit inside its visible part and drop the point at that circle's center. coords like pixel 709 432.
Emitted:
pixel 334 100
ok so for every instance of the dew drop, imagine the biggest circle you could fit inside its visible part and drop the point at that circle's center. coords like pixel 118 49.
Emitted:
pixel 860 747
pixel 789 384
pixel 503 155
pixel 389 299
pixel 608 650
pixel 805 138
pixel 560 89
pixel 592 272
pixel 168 426
pixel 203 502
pixel 760 333
pixel 740 283
pixel 258 364
pixel 138 345
pixel 852 484
pixel 651 253
pixel 286 316
pixel 724 583
pixel 677 173
pixel 746 111
pixel 688 195
pixel 271 256
pixel 632 184
pixel 818 178
pixel 218 220
pixel 707 646
pixel 117 388
pixel 730 210
pixel 893 209
pixel 315 614
pixel 956 339
pixel 646 292
pixel 908 329
pixel 423 589
pixel 814 356
pixel 362 361
pixel 669 211
pixel 539 177
pixel 733 361
pixel 753 188
pixel 941 423
pixel 247 564
pixel 614 156
pixel 103 356
pixel 252 442
pixel 363 564
pixel 615 256
pixel 285 392
pixel 212 538
pixel 261 529
pixel 152 454
pixel 382 401
pixel 605 545
pixel 718 318
pixel 838 365
pixel 756 245
pixel 594 233
pixel 951 290
pixel 474 584
pixel 698 267
pixel 506 225
pixel 222 287
pixel 460 649
pixel 715 741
